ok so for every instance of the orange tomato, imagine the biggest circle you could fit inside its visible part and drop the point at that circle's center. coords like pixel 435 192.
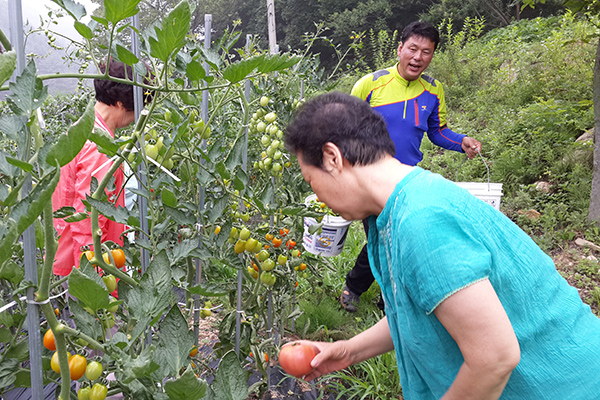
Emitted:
pixel 276 242
pixel 269 237
pixel 119 257
pixel 49 340
pixel 77 366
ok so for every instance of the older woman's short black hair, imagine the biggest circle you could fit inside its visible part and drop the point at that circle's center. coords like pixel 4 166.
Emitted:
pixel 110 92
pixel 346 121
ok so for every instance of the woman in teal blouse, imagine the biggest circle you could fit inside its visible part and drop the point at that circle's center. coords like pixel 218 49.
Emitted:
pixel 474 308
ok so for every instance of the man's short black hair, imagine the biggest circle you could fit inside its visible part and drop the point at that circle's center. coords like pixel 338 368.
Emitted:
pixel 110 92
pixel 422 29
pixel 346 121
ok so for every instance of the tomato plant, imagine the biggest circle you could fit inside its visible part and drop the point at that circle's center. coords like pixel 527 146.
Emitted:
pixel 295 359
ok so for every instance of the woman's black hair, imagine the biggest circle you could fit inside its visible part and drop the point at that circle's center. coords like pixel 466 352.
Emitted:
pixel 110 92
pixel 346 121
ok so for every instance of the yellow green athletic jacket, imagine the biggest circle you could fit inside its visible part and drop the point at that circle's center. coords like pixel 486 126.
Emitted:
pixel 409 109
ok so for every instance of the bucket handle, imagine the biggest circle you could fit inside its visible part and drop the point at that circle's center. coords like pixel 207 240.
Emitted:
pixel 484 163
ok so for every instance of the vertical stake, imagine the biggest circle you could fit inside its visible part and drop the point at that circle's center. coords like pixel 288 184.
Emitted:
pixel 15 12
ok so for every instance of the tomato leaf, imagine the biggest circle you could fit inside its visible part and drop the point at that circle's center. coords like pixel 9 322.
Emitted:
pixel 126 56
pixel 180 217
pixel 209 290
pixel 240 180
pixel 120 215
pixel 195 71
pixel 222 170
pixel 105 142
pixel 168 197
pixel 216 211
pixel 230 380
pixel 175 341
pixel 237 71
pixel 84 30
pixel 69 145
pixel 76 10
pixel 8 370
pixel 277 62
pixel 12 273
pixel 118 10
pixel 28 92
pixel 171 35
pixel 183 249
pixel 186 387
pixel 89 291
pixel 25 166
pixel 236 153
pixel 84 321
pixel 152 296
pixel 27 211
pixel 8 63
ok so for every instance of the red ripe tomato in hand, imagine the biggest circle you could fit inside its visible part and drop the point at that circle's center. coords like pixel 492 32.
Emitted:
pixel 295 359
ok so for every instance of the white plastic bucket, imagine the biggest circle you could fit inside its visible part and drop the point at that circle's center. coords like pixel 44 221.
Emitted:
pixel 330 242
pixel 488 192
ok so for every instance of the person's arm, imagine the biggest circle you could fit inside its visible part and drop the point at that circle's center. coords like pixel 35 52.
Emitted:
pixel 339 355
pixel 441 135
pixel 476 320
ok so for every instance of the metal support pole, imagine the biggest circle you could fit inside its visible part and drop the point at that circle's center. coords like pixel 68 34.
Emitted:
pixel 138 104
pixel 204 113
pixel 15 13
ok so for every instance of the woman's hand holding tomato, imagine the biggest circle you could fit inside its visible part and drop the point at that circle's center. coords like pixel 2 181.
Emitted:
pixel 329 357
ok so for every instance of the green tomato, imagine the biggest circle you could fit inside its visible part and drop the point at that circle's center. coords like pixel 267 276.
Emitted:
pixel 262 255
pixel 99 392
pixel 281 259
pixel 265 140
pixel 84 393
pixel 267 265
pixel 264 101
pixel 261 126
pixel 244 233
pixel 111 282
pixel 93 370
pixel 250 244
pixel 276 167
pixel 168 115
pixel 267 278
pixel 151 151
pixel 240 246
pixel 245 217
pixel 270 117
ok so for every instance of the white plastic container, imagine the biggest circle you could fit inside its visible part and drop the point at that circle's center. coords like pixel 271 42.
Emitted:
pixel 330 242
pixel 488 192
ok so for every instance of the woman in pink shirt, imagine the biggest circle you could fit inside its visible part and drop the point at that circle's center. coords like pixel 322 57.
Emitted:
pixel 114 109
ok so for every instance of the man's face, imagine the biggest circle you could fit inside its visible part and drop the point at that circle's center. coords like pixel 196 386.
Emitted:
pixel 414 57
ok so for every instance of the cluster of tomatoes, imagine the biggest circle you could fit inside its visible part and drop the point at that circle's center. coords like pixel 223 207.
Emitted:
pixel 78 368
pixel 263 262
pixel 263 122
